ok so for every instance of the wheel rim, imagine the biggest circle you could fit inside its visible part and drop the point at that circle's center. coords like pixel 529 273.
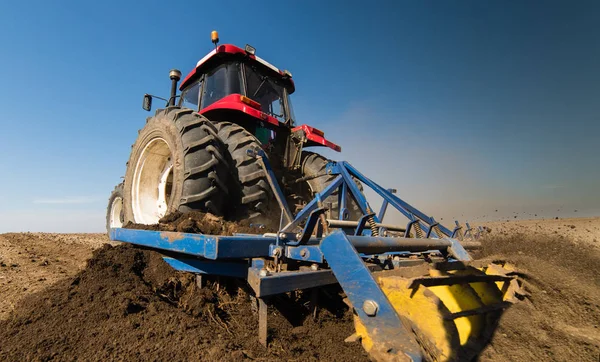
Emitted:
pixel 116 213
pixel 152 182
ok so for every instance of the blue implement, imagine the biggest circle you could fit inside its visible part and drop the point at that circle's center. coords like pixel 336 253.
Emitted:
pixel 307 253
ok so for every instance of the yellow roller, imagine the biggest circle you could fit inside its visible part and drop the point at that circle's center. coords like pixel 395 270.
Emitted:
pixel 450 322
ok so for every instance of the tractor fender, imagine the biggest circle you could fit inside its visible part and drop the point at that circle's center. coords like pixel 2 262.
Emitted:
pixel 315 137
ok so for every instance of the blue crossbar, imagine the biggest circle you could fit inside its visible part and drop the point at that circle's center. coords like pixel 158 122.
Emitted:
pixel 206 246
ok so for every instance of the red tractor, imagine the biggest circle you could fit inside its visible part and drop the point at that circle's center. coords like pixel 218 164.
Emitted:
pixel 194 155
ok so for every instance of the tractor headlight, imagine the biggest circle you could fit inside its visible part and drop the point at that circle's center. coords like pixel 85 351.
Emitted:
pixel 250 49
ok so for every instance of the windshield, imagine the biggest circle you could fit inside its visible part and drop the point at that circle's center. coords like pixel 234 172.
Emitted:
pixel 221 82
pixel 269 92
pixel 218 83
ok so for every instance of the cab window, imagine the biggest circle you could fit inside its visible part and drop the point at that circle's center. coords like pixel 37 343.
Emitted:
pixel 190 96
pixel 266 90
pixel 221 82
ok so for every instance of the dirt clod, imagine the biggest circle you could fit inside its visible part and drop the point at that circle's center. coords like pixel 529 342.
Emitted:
pixel 200 223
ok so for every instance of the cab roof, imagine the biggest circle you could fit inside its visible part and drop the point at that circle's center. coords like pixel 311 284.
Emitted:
pixel 229 51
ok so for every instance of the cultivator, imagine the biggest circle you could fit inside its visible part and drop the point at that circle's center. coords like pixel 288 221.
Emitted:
pixel 415 290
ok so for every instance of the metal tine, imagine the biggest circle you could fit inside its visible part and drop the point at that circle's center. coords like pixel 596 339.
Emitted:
pixel 480 232
pixel 457 232
pixel 468 232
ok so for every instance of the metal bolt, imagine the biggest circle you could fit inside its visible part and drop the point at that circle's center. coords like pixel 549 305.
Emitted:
pixel 263 272
pixel 304 253
pixel 282 235
pixel 277 252
pixel 370 307
pixel 314 267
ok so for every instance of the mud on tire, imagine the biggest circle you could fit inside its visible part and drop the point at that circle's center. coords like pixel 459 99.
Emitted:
pixel 177 164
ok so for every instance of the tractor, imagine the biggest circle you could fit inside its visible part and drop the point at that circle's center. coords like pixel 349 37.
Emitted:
pixel 231 147
pixel 192 155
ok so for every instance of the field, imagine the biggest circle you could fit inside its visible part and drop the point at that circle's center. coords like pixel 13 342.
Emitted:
pixel 72 296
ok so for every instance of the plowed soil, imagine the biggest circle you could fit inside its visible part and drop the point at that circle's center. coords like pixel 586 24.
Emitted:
pixel 559 319
pixel 127 304
pixel 30 262
pixel 200 223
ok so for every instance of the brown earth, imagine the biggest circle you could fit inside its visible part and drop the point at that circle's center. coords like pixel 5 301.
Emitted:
pixel 559 319
pixel 128 304
pixel 202 223
pixel 584 230
pixel 30 262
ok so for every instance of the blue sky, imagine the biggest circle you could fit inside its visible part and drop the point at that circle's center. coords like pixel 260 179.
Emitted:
pixel 464 106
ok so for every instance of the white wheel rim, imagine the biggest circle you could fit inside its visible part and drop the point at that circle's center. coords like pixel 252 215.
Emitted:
pixel 152 182
pixel 164 185
pixel 116 210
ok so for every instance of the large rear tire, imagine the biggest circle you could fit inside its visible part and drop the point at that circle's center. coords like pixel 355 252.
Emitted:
pixel 256 194
pixel 177 164
pixel 114 211
pixel 313 167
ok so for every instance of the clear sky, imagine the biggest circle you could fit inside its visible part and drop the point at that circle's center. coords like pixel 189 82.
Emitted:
pixel 466 107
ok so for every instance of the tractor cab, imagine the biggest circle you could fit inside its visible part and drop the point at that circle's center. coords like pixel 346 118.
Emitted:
pixel 230 79
pixel 232 84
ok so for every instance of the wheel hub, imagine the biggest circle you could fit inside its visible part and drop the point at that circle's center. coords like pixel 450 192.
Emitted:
pixel 116 213
pixel 152 182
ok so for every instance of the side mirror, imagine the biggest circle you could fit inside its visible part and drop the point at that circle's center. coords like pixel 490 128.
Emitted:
pixel 147 103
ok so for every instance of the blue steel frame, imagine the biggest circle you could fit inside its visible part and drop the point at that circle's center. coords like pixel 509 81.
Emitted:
pixel 347 171
pixel 336 257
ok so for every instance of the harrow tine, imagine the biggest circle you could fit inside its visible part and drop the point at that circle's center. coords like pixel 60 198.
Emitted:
pixel 310 225
pixel 479 232
pixel 457 232
pixel 436 230
pixel 362 223
pixel 468 232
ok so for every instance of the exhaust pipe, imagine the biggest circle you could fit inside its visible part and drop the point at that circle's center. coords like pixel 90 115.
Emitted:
pixel 175 76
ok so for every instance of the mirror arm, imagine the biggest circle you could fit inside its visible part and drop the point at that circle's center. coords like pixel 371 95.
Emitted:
pixel 164 99
pixel 161 98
